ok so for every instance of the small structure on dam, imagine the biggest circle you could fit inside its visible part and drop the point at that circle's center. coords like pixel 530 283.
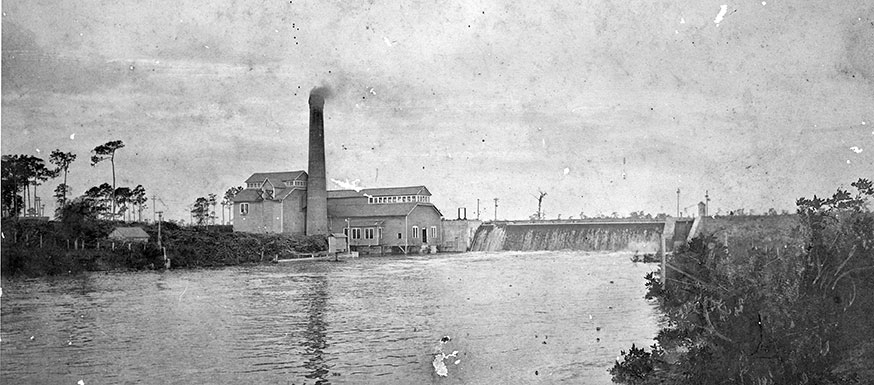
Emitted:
pixel 641 235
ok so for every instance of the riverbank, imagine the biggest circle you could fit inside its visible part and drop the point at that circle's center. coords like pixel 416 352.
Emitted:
pixel 35 248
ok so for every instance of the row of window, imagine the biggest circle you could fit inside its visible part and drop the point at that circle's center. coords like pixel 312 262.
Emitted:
pixel 369 232
pixel 288 183
pixel 399 199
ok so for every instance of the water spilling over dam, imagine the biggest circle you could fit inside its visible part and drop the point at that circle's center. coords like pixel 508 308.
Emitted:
pixel 584 235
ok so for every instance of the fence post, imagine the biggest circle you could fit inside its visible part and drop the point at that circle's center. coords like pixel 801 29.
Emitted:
pixel 40 241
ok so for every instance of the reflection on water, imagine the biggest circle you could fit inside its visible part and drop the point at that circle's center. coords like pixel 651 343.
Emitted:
pixel 551 317
pixel 315 341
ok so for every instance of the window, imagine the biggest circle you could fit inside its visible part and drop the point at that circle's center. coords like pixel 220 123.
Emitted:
pixel 368 233
pixel 379 233
pixel 400 235
pixel 415 231
pixel 433 233
pixel 244 208
pixel 356 233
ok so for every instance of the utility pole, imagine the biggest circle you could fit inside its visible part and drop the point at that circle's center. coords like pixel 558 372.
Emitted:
pixel 706 202
pixel 160 219
pixel 154 198
pixel 477 208
pixel 496 209
pixel 678 202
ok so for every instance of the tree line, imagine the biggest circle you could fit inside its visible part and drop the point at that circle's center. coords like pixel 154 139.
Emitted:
pixel 21 174
pixel 203 210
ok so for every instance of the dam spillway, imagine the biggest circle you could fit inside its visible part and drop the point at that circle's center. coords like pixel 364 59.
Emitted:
pixel 585 235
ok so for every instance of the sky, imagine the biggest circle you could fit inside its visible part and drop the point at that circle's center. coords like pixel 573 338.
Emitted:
pixel 607 106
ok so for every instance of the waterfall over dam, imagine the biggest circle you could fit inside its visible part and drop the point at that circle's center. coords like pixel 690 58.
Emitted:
pixel 587 235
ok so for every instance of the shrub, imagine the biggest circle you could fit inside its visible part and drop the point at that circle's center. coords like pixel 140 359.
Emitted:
pixel 772 314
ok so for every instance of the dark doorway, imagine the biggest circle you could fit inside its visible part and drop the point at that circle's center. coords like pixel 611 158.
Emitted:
pixel 424 236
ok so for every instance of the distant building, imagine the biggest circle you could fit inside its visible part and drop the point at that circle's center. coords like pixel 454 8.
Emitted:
pixel 129 234
pixel 272 202
pixel 397 218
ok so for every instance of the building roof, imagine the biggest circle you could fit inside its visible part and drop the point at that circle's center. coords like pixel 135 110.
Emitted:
pixel 248 195
pixel 275 177
pixel 368 210
pixel 128 232
pixel 255 195
pixel 380 192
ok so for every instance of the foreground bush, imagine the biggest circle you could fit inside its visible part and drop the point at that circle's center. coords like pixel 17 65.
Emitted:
pixel 769 315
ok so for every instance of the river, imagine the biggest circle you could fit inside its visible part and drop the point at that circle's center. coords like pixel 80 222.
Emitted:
pixel 513 317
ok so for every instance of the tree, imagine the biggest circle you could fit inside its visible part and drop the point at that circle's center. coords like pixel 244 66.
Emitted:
pixel 122 198
pixel 229 201
pixel 99 199
pixel 639 215
pixel 13 177
pixel 107 151
pixel 62 161
pixel 211 200
pixel 200 211
pixel 138 197
pixel 18 173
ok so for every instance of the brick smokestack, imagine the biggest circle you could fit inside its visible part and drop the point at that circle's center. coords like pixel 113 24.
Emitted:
pixel 317 195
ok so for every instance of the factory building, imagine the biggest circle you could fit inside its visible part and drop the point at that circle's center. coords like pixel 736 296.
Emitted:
pixel 272 202
pixel 398 218
pixel 296 202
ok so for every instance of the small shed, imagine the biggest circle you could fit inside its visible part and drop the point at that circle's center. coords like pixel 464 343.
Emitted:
pixel 337 243
pixel 129 234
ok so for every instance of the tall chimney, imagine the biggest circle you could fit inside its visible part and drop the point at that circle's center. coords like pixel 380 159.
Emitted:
pixel 317 195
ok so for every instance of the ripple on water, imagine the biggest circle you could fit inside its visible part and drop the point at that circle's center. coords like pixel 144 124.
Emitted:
pixel 512 316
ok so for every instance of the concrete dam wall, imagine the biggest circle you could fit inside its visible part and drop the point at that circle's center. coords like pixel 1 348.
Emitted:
pixel 590 235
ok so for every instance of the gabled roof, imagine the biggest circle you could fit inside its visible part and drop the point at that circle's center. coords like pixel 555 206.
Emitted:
pixel 248 195
pixel 368 210
pixel 283 193
pixel 128 232
pixel 379 192
pixel 254 195
pixel 275 177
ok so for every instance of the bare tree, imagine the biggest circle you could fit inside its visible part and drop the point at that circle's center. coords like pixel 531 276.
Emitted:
pixel 540 204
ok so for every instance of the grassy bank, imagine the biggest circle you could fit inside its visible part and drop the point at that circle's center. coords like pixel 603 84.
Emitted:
pixel 35 248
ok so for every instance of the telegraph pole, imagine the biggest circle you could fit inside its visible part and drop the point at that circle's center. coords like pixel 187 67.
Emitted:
pixel 496 209
pixel 477 208
pixel 154 198
pixel 160 219
pixel 678 202
pixel 706 202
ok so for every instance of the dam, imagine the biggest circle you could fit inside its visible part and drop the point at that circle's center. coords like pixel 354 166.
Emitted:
pixel 622 234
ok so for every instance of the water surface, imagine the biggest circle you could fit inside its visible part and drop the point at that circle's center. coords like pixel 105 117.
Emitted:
pixel 529 317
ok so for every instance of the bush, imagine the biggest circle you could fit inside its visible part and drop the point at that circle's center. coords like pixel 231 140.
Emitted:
pixel 769 315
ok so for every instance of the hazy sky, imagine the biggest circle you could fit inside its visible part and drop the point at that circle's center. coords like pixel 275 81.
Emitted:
pixel 605 105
